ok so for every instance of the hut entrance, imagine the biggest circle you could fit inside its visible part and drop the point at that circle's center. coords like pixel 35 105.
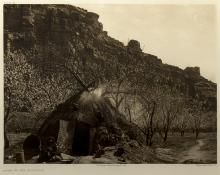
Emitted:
pixel 81 139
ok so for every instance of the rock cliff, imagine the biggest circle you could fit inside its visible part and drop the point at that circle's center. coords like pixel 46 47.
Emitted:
pixel 52 33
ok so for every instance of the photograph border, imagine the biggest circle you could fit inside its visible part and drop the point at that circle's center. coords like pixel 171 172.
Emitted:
pixel 164 169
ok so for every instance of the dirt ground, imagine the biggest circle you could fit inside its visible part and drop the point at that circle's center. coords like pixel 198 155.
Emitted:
pixel 177 150
pixel 188 150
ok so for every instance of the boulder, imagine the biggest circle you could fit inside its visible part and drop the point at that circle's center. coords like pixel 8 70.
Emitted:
pixel 134 47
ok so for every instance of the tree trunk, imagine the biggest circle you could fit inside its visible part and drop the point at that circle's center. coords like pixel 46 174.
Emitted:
pixel 129 112
pixel 182 133
pixel 150 137
pixel 6 119
pixel 147 138
pixel 150 142
pixel 197 134
pixel 151 131
pixel 165 136
pixel 6 141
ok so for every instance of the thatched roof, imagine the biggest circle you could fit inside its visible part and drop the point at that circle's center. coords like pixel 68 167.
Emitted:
pixel 91 108
pixel 86 107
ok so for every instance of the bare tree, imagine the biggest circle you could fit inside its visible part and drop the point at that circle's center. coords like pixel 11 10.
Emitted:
pixel 196 110
pixel 170 106
pixel 182 121
pixel 147 126
pixel 24 88
pixel 118 86
pixel 17 75
pixel 147 105
pixel 50 92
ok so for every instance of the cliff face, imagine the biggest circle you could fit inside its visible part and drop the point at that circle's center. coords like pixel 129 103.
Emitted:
pixel 53 33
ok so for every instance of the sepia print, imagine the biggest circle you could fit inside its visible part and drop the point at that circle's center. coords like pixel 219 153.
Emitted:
pixel 75 94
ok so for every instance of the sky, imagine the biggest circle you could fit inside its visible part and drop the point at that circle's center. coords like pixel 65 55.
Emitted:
pixel 180 35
